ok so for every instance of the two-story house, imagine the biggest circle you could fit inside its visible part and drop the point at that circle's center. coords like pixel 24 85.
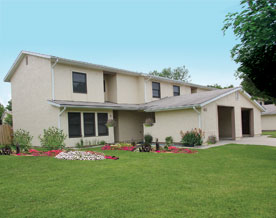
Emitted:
pixel 80 97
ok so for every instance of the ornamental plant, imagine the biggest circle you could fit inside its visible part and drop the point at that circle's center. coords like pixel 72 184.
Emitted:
pixel 148 139
pixel 110 123
pixel 148 122
pixel 53 138
pixel 192 138
pixel 212 139
pixel 23 138
pixel 169 142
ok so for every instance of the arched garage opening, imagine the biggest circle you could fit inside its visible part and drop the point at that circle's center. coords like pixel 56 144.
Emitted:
pixel 226 123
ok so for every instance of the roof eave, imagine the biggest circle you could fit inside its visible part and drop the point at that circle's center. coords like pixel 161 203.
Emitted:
pixel 172 108
pixel 94 107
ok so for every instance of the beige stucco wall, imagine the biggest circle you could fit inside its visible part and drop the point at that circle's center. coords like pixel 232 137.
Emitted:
pixel 210 116
pixel 169 123
pixel 129 89
pixel 71 142
pixel 166 90
pixel 130 125
pixel 110 88
pixel 29 97
pixel 269 122
pixel 64 84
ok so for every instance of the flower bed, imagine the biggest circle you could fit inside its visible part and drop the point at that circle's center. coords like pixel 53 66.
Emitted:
pixel 114 147
pixel 80 155
pixel 171 149
pixel 33 152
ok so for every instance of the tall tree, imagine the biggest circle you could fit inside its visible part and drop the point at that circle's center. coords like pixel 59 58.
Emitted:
pixel 217 86
pixel 255 26
pixel 2 110
pixel 9 105
pixel 179 73
pixel 8 118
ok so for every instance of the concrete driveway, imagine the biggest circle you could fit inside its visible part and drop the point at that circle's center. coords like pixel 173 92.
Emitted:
pixel 257 140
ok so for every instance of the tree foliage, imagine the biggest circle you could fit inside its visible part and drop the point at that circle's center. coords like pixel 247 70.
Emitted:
pixel 179 73
pixel 217 86
pixel 2 110
pixel 255 26
pixel 9 105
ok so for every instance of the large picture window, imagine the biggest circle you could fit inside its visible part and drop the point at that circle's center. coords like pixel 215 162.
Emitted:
pixel 155 90
pixel 79 83
pixel 74 123
pixel 102 120
pixel 89 124
pixel 176 90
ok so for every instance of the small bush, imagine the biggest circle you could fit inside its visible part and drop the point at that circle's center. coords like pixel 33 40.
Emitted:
pixel 169 142
pixel 148 138
pixel 102 142
pixel 212 139
pixel 23 138
pixel 53 138
pixel 192 138
pixel 80 144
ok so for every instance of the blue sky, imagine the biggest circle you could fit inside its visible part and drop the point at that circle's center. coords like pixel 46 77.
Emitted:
pixel 135 35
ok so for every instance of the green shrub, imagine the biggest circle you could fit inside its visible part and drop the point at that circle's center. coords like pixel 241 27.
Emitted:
pixel 212 139
pixel 80 144
pixel 53 138
pixel 192 138
pixel 102 142
pixel 169 142
pixel 148 138
pixel 23 138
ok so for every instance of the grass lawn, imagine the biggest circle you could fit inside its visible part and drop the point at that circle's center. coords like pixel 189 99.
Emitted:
pixel 226 181
pixel 271 134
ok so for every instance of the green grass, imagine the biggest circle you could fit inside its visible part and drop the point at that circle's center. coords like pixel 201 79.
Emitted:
pixel 226 181
pixel 271 134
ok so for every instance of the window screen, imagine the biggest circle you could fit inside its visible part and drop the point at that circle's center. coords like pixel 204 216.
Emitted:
pixel 176 90
pixel 89 124
pixel 74 123
pixel 102 128
pixel 155 90
pixel 79 83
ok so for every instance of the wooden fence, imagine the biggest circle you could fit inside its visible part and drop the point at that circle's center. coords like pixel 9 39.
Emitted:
pixel 5 135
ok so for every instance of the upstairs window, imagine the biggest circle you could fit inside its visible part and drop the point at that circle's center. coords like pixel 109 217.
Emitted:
pixel 176 90
pixel 74 123
pixel 155 90
pixel 102 120
pixel 79 83
pixel 89 124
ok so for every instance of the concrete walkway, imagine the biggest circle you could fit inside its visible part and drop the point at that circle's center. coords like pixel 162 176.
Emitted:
pixel 257 140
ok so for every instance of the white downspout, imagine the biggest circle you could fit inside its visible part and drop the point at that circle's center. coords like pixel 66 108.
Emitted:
pixel 199 117
pixel 53 79
pixel 59 115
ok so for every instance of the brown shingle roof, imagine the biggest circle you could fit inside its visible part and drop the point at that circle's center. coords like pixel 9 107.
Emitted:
pixel 270 109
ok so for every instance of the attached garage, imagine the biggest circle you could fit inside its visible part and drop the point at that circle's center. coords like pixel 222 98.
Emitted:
pixel 225 113
pixel 269 118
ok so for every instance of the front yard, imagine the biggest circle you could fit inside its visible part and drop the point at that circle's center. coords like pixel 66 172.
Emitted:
pixel 226 181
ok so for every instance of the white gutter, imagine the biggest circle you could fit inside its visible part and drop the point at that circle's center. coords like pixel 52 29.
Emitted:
pixel 59 115
pixel 53 79
pixel 199 117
